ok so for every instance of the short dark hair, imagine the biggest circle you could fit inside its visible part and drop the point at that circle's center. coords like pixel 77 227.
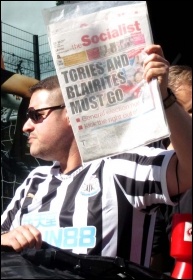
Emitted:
pixel 49 83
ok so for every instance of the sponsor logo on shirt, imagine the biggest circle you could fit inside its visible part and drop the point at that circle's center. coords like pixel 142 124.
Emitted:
pixel 30 195
pixel 80 238
pixel 91 188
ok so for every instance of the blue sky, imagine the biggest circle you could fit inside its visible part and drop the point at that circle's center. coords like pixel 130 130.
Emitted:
pixel 25 15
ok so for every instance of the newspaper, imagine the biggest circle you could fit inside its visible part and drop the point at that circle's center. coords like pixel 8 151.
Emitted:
pixel 98 58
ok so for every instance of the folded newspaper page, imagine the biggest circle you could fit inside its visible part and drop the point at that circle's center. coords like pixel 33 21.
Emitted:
pixel 98 57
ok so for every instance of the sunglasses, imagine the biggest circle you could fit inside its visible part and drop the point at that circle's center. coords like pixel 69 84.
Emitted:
pixel 34 115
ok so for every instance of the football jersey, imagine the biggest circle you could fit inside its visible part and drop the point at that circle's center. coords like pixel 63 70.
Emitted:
pixel 106 207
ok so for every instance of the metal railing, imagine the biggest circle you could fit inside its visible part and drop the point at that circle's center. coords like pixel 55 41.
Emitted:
pixel 29 55
pixel 26 53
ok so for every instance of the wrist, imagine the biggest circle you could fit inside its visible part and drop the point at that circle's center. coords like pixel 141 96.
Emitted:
pixel 169 100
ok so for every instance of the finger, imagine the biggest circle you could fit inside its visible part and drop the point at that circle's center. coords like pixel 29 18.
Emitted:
pixel 154 49
pixel 155 69
pixel 18 240
pixel 36 235
pixel 25 237
pixel 155 58
pixel 14 243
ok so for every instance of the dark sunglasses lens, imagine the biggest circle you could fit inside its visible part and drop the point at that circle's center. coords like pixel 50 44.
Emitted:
pixel 33 115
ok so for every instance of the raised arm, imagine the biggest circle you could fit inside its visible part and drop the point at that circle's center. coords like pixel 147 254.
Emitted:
pixel 16 83
pixel 179 121
pixel 19 85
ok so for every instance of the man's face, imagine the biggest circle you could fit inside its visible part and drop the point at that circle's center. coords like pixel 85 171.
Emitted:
pixel 50 136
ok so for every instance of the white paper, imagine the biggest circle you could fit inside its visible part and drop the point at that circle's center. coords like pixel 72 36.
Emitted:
pixel 99 63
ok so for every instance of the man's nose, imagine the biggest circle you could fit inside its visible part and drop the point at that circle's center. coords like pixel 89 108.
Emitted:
pixel 28 125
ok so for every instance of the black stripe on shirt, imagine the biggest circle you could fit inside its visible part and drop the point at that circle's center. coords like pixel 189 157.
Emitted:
pixel 11 213
pixel 139 188
pixel 95 213
pixel 67 209
pixel 32 190
pixel 141 159
pixel 125 213
pixel 52 192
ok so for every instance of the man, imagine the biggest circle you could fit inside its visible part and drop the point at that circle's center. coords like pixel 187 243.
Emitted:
pixel 89 208
pixel 180 82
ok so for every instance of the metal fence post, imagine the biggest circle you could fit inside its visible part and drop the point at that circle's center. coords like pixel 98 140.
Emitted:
pixel 36 57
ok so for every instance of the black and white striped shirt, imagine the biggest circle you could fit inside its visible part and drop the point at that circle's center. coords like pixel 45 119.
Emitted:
pixel 95 208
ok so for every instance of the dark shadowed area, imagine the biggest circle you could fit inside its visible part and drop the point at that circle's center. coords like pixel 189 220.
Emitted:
pixel 171 23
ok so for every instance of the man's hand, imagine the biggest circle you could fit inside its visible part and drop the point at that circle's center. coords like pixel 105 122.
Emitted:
pixel 156 66
pixel 26 236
